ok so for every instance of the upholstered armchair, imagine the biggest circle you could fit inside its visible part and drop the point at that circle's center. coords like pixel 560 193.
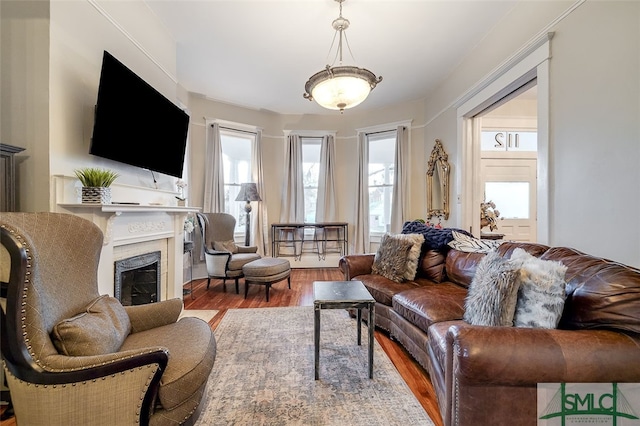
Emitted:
pixel 74 357
pixel 223 257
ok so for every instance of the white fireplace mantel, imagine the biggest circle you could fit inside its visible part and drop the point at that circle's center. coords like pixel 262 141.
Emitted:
pixel 126 224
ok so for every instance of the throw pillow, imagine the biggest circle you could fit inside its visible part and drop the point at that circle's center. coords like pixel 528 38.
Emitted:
pixel 471 244
pixel 432 266
pixel 414 254
pixel 541 293
pixel 493 292
pixel 228 245
pixel 100 329
pixel 391 258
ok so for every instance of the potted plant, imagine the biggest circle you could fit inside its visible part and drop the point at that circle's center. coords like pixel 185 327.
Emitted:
pixel 96 184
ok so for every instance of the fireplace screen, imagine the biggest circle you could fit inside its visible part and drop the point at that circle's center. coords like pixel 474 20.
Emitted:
pixel 137 279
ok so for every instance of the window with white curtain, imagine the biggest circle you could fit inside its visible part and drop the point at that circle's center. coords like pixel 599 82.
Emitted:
pixel 382 154
pixel 236 154
pixel 310 175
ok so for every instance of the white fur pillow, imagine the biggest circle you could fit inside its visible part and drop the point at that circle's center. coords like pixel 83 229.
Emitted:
pixel 493 292
pixel 541 293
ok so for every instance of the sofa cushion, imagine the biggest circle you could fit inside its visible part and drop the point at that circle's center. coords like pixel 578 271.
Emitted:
pixel 541 291
pixel 429 304
pixel 192 351
pixel 600 293
pixel 432 266
pixel 382 289
pixel 100 329
pixel 461 266
pixel 392 257
pixel 493 292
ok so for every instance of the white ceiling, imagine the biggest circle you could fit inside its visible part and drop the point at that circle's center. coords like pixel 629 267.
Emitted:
pixel 260 53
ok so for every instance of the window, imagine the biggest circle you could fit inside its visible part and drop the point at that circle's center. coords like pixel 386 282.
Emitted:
pixel 310 175
pixel 382 154
pixel 236 154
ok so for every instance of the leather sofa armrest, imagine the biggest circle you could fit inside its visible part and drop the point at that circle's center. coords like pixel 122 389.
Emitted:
pixel 152 315
pixel 353 265
pixel 526 356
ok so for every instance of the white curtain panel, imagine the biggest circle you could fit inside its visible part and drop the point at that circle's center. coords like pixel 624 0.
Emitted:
pixel 292 209
pixel 361 232
pixel 260 224
pixel 214 172
pixel 400 200
pixel 326 203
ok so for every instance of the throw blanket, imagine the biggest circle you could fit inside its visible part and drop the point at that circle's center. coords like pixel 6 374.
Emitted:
pixel 434 238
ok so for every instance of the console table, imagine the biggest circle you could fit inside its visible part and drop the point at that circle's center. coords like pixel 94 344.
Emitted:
pixel 293 235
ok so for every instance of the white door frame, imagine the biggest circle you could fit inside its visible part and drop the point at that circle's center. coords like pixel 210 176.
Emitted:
pixel 532 62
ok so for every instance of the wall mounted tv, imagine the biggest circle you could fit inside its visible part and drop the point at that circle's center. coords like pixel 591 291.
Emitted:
pixel 135 124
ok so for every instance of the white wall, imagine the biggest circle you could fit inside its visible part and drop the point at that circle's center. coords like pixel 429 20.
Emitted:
pixel 595 131
pixel 594 119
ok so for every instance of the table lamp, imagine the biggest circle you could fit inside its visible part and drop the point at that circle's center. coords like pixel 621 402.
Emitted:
pixel 248 192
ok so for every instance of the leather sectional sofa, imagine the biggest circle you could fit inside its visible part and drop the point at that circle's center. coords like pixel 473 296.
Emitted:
pixel 488 375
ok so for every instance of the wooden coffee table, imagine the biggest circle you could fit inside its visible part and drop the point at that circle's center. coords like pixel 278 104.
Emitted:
pixel 342 295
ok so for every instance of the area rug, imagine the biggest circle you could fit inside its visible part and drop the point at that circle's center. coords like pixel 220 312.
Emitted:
pixel 264 375
pixel 203 314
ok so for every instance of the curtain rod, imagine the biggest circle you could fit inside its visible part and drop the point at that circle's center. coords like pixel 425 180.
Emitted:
pixel 237 130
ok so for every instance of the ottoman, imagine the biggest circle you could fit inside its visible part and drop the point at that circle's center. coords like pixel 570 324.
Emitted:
pixel 266 271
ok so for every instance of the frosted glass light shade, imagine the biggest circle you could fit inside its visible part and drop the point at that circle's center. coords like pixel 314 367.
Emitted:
pixel 341 88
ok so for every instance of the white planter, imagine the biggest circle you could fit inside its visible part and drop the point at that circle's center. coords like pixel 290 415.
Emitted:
pixel 96 195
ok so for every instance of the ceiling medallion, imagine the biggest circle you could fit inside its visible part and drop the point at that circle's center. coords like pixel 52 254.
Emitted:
pixel 340 87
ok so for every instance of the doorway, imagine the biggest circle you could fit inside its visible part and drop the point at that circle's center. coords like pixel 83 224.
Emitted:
pixel 508 164
pixel 531 63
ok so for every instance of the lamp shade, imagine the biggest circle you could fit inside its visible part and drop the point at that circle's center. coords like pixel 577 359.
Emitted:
pixel 248 192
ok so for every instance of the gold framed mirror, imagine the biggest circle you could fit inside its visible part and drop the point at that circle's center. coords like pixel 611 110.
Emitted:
pixel 438 169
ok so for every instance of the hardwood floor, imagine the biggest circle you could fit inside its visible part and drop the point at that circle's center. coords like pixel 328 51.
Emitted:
pixel 301 294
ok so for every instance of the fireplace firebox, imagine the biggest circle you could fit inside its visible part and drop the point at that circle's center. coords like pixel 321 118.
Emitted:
pixel 137 279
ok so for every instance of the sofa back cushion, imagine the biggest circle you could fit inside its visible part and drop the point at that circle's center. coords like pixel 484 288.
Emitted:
pixel 432 265
pixel 461 266
pixel 600 293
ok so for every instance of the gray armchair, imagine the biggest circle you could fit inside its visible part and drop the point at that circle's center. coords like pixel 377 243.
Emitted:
pixel 72 356
pixel 223 257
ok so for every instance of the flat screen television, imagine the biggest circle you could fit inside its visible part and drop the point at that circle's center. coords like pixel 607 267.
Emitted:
pixel 135 124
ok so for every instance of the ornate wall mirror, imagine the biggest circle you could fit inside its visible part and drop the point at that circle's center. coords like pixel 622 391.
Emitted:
pixel 438 183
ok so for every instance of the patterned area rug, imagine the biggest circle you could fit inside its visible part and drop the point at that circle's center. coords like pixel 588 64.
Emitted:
pixel 263 374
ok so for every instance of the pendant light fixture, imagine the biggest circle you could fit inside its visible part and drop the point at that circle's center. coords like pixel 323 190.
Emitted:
pixel 340 87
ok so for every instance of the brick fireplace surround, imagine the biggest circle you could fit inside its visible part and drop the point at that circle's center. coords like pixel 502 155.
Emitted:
pixel 156 224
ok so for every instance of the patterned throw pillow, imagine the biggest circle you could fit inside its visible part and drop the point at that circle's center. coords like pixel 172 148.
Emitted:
pixel 470 244
pixel 391 258
pixel 493 293
pixel 228 245
pixel 100 329
pixel 541 293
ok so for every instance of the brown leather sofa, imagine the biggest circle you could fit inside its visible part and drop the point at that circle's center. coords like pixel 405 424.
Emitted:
pixel 488 375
